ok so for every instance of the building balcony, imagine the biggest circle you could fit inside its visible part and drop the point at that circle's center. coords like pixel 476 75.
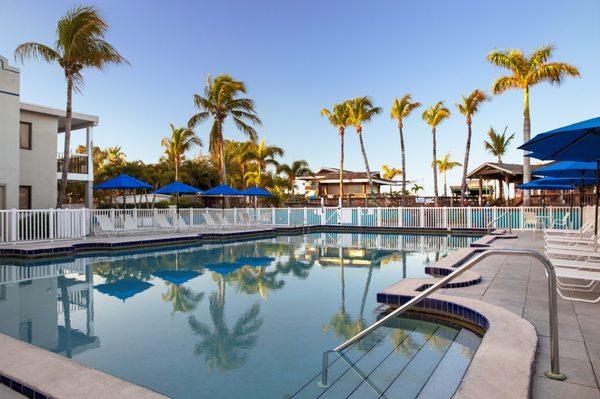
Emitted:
pixel 78 166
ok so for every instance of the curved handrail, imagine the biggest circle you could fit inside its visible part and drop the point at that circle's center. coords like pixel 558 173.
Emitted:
pixel 498 218
pixel 554 372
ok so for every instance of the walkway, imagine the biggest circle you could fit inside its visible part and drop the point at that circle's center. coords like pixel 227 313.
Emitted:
pixel 520 285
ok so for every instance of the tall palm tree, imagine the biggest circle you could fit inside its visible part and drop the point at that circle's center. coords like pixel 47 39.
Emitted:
pixel 390 172
pixel 498 145
pixel 401 109
pixel 338 117
pixel 444 165
pixel 433 116
pixel 296 169
pixel 526 71
pixel 79 45
pixel 361 110
pixel 468 107
pixel 264 155
pixel 220 101
pixel 182 140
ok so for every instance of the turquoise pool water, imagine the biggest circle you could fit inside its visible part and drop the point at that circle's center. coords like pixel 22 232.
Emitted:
pixel 236 320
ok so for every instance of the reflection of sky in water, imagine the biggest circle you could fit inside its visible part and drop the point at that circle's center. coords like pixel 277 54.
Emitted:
pixel 200 322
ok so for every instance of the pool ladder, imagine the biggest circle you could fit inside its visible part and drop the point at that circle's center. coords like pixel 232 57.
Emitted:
pixel 489 225
pixel 554 372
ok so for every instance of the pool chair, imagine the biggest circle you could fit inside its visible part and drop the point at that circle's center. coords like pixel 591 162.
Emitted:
pixel 107 227
pixel 182 224
pixel 162 223
pixel 586 229
pixel 129 224
pixel 531 219
pixel 561 223
pixel 587 282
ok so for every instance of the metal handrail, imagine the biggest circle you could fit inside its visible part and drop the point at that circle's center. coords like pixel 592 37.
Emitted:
pixel 498 218
pixel 554 372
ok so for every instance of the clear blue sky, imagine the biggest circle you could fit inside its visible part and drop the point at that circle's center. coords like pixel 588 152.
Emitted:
pixel 297 57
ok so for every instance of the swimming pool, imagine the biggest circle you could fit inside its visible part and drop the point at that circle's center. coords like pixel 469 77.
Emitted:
pixel 243 319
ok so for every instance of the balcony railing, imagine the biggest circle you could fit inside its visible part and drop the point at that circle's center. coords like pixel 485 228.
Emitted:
pixel 78 163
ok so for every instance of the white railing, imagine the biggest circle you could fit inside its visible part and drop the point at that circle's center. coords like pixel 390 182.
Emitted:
pixel 64 224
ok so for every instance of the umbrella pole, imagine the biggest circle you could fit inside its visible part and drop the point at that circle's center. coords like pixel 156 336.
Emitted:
pixel 597 200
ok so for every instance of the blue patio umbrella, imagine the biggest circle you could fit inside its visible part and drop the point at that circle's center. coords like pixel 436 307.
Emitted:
pixel 222 190
pixel 123 182
pixel 256 261
pixel 545 185
pixel 223 268
pixel 576 169
pixel 176 277
pixel 577 142
pixel 123 289
pixel 256 192
pixel 177 188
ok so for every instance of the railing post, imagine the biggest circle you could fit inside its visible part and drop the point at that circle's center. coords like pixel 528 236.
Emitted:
pixel 51 224
pixel 495 216
pixel 13 225
pixel 445 217
pixel 551 217
pixel 400 220
pixel 135 216
pixel 422 216
pixel 83 223
pixel 522 218
pixel 469 217
pixel 235 217
pixel 359 217
pixel 304 216
pixel 378 217
pixel 273 216
pixel 289 216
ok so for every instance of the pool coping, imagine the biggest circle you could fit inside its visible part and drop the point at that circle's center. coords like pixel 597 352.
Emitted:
pixel 39 373
pixel 504 363
pixel 94 243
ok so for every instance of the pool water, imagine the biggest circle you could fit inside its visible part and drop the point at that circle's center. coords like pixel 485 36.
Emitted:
pixel 235 320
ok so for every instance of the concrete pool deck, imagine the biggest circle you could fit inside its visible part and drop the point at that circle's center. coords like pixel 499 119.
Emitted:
pixel 520 286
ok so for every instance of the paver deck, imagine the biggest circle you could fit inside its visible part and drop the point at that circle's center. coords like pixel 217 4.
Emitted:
pixel 520 286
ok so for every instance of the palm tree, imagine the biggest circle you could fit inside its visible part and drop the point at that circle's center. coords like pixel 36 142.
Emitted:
pixel 264 155
pixel 296 169
pixel 498 145
pixel 79 45
pixel 182 140
pixel 468 107
pixel 444 165
pixel 390 172
pixel 115 156
pixel 416 188
pixel 526 71
pixel 433 116
pixel 338 117
pixel 360 111
pixel 402 109
pixel 221 101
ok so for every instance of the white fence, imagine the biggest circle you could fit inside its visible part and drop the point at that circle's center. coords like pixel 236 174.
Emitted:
pixel 61 224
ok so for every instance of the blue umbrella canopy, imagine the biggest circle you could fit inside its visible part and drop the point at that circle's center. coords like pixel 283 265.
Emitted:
pixel 223 268
pixel 123 289
pixel 176 277
pixel 122 182
pixel 547 183
pixel 178 188
pixel 258 261
pixel 577 142
pixel 222 189
pixel 257 192
pixel 568 169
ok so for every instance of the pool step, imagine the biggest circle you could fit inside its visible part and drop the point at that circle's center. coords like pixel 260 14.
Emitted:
pixel 412 358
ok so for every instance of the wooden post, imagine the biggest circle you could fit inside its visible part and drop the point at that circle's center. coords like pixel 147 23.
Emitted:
pixel 480 191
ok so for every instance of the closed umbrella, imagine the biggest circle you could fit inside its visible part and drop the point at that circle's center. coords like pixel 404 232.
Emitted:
pixel 577 142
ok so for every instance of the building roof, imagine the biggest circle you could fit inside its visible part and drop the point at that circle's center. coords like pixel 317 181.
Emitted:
pixel 493 171
pixel 332 175
pixel 79 120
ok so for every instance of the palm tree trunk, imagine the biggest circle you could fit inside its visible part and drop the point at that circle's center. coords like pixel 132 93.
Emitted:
pixel 500 183
pixel 434 165
pixel 445 186
pixel 341 165
pixel 62 192
pixel 403 155
pixel 364 155
pixel 176 169
pixel 526 137
pixel 463 184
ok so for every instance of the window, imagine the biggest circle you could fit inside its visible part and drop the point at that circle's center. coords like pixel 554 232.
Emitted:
pixel 24 197
pixel 25 136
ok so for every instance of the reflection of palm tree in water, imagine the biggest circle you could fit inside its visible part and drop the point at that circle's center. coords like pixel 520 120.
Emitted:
pixel 293 266
pixel 342 323
pixel 223 348
pixel 183 299
pixel 251 280
pixel 66 305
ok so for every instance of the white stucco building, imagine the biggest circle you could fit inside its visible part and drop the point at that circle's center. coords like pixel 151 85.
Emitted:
pixel 29 162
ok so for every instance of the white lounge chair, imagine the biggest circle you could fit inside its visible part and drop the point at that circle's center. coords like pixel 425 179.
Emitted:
pixel 162 223
pixel 586 228
pixel 591 279
pixel 107 226
pixel 182 224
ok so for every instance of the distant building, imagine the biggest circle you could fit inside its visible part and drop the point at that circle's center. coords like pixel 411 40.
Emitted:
pixel 326 183
pixel 29 162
